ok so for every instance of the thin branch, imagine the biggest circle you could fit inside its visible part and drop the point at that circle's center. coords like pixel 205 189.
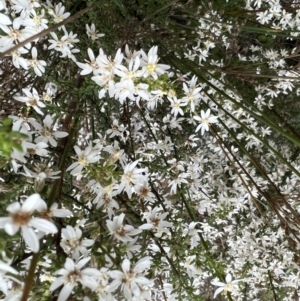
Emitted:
pixel 272 286
pixel 30 277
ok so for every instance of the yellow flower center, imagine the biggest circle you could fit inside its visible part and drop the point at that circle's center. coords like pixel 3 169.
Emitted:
pixel 37 20
pixel 15 34
pixel 47 97
pixel 205 121
pixel 227 288
pixel 34 63
pixel 151 67
pixel 83 161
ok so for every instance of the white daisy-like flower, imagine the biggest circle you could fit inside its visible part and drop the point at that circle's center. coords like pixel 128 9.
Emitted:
pixel 37 65
pixel 92 32
pixel 229 286
pixel 132 176
pixel 84 158
pixel 89 66
pixel 59 13
pixel 120 231
pixel 131 279
pixel 40 177
pixel 31 99
pixel 73 243
pixel 205 120
pixel 71 274
pixel 150 64
pixel 21 217
pixel 176 105
pixel 47 132
pixel 155 220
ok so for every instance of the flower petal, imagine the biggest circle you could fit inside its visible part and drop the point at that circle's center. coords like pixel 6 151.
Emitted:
pixel 83 262
pixel 218 291
pixel 69 265
pixel 126 265
pixel 11 229
pixel 14 207
pixel 228 278
pixel 7 268
pixel 43 225
pixel 56 283
pixel 30 238
pixel 31 203
pixel 65 292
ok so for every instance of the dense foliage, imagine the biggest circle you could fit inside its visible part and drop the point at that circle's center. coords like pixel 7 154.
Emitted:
pixel 150 150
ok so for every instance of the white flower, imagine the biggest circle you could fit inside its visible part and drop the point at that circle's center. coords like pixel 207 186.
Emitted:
pixel 31 99
pixel 131 280
pixel 116 129
pixel 21 122
pixel 192 232
pixel 35 149
pixel 192 94
pixel 119 231
pixel 102 289
pixel 229 286
pixel 205 120
pixel 105 197
pixel 264 17
pixel 84 158
pixel 132 176
pixel 89 66
pixel 181 178
pixel 59 13
pixel 18 60
pixel 25 6
pixel 155 220
pixel 150 64
pixel 40 176
pixel 92 32
pixel 21 216
pixel 47 132
pixel 36 21
pixel 72 243
pixel 6 279
pixel 59 44
pixel 132 247
pixel 143 190
pixel 73 273
pixel 15 34
pixel 107 64
pixel 176 105
pixel 37 65
pixel 124 89
pixel 131 72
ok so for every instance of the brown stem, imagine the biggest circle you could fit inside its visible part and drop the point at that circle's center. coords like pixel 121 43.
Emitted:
pixel 30 276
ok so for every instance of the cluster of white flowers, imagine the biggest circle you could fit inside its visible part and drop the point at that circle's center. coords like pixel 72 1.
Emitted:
pixel 170 177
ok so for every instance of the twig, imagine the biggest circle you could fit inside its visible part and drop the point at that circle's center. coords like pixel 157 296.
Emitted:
pixel 272 286
pixel 30 276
